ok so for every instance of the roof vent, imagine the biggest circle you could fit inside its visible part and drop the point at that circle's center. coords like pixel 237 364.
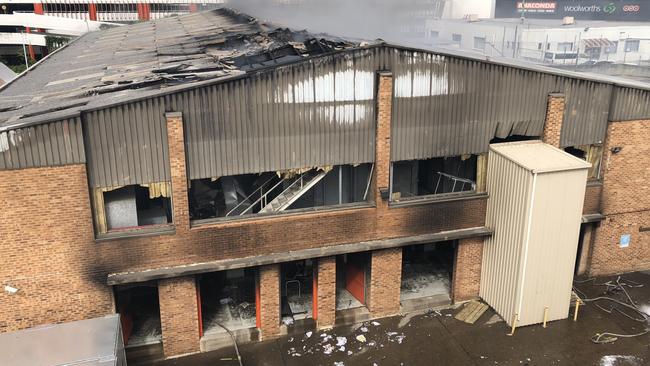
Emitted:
pixel 568 21
pixel 472 18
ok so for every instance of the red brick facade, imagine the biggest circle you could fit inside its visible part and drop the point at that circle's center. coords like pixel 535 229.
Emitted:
pixel 554 118
pixel 270 301
pixel 467 270
pixel 48 252
pixel 385 281
pixel 625 200
pixel 326 294
pixel 179 315
pixel 51 255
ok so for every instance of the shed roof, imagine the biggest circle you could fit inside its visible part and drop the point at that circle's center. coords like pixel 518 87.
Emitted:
pixel 538 157
pixel 87 342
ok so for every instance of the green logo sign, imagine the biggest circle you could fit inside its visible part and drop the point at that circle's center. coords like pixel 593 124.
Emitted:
pixel 609 8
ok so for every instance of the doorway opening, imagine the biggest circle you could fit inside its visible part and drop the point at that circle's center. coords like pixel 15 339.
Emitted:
pixel 139 311
pixel 352 278
pixel 296 289
pixel 427 271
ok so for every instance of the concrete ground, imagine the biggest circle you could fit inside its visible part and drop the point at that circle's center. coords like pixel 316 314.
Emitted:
pixel 437 338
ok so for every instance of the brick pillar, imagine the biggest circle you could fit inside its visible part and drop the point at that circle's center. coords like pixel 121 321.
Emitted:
pixel 144 12
pixel 326 292
pixel 467 269
pixel 92 11
pixel 554 118
pixel 30 47
pixel 385 282
pixel 179 316
pixel 269 301
pixel 585 251
pixel 176 142
pixel 382 149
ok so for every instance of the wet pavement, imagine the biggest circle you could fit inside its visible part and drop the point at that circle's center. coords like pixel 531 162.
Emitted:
pixel 437 338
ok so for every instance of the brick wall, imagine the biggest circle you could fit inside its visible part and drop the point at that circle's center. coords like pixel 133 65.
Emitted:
pixel 592 198
pixel 467 269
pixel 270 301
pixel 625 201
pixel 58 252
pixel 48 251
pixel 385 282
pixel 179 317
pixel 326 293
pixel 554 118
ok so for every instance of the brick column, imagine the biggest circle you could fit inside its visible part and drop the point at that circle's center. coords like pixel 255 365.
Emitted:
pixel 326 292
pixel 585 251
pixel 382 148
pixel 554 118
pixel 385 282
pixel 176 143
pixel 467 269
pixel 92 11
pixel 269 301
pixel 179 316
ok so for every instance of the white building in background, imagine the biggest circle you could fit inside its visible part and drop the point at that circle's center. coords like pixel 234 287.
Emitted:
pixel 546 40
pixel 460 9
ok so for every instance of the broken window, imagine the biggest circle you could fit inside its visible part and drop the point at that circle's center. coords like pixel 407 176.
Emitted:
pixel 590 153
pixel 448 175
pixel 275 192
pixel 132 207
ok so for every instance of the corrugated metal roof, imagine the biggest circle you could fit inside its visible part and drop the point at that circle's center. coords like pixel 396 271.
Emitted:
pixel 538 157
pixel 52 144
pixel 126 63
pixel 144 60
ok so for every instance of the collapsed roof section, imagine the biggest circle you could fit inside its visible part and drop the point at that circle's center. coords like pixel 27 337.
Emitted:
pixel 132 62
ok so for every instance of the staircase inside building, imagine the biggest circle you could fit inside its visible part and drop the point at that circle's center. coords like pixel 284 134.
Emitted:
pixel 295 190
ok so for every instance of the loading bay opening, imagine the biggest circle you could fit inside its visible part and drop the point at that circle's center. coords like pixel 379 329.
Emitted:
pixel 427 274
pixel 228 299
pixel 297 291
pixel 352 274
pixel 139 314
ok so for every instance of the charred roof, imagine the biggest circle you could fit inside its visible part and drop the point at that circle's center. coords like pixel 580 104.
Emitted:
pixel 135 61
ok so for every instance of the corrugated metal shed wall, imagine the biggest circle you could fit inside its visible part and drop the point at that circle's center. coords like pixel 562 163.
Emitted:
pixel 52 144
pixel 506 215
pixel 316 113
pixel 445 106
pixel 528 261
pixel 127 144
pixel 586 111
pixel 553 245
pixel 629 104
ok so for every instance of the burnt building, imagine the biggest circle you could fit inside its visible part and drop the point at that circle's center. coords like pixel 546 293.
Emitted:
pixel 209 170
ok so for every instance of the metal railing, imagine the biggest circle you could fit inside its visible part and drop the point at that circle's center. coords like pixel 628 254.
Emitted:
pixel 260 189
pixel 456 180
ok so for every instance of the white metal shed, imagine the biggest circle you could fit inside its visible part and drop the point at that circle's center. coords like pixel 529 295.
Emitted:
pixel 535 208
pixel 91 342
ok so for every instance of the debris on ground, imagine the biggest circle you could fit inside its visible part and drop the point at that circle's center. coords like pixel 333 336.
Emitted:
pixel 361 338
pixel 471 312
pixel 612 360
pixel 615 298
